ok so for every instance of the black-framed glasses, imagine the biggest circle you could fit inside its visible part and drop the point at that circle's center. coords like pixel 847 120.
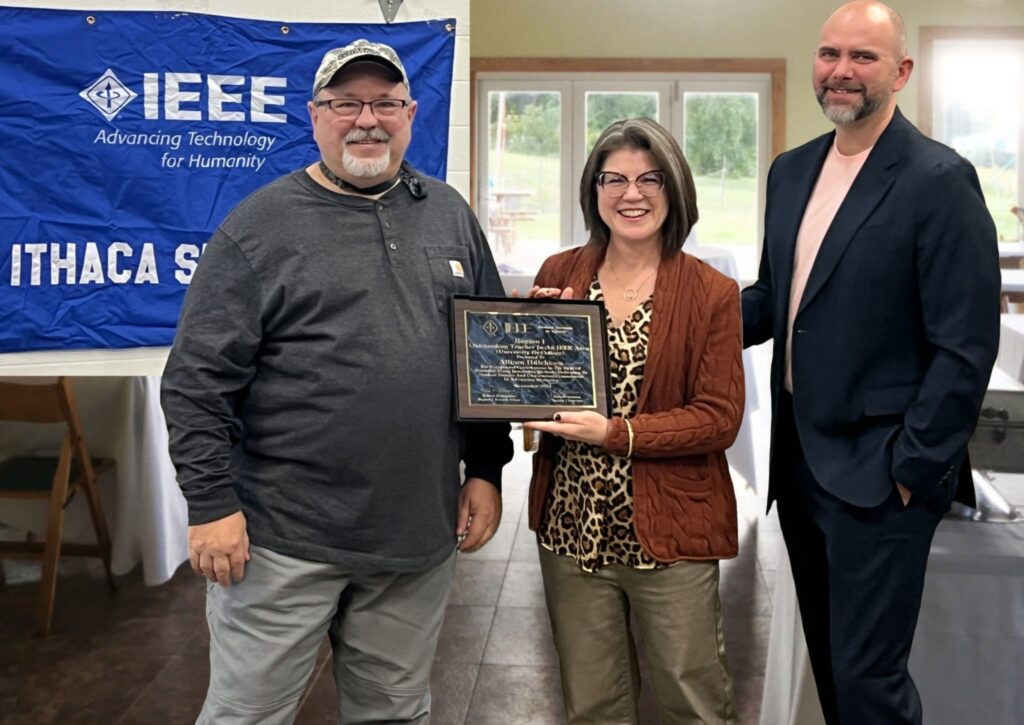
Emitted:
pixel 615 185
pixel 352 108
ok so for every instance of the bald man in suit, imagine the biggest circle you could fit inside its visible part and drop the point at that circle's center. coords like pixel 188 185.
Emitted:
pixel 879 287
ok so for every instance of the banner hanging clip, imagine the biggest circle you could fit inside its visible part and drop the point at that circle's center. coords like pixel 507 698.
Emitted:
pixel 390 9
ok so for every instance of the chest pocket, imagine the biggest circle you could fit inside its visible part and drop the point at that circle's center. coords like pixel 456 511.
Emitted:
pixel 450 273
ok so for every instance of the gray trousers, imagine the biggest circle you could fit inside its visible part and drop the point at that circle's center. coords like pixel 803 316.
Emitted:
pixel 266 630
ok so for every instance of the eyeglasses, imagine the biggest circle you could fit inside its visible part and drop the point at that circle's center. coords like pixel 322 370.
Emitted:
pixel 351 108
pixel 615 185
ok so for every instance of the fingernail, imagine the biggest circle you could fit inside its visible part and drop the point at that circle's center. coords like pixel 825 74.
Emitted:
pixel 558 416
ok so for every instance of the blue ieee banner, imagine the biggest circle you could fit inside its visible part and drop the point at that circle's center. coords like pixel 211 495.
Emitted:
pixel 128 136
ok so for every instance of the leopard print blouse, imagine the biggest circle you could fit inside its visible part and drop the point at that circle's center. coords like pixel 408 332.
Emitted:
pixel 590 502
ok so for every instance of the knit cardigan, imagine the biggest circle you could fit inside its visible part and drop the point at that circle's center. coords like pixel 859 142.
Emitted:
pixel 689 411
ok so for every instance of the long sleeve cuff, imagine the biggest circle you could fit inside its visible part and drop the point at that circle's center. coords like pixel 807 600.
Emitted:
pixel 489 473
pixel 488 448
pixel 616 441
pixel 212 505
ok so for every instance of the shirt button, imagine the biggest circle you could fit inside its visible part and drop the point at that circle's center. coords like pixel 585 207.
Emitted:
pixel 393 245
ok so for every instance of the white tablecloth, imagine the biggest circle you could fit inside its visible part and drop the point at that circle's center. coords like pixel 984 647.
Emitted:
pixel 1012 280
pixel 130 361
pixel 1011 250
pixel 968 654
pixel 741 454
pixel 145 510
pixel 1011 346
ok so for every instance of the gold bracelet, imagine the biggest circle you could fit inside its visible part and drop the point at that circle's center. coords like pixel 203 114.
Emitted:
pixel 629 427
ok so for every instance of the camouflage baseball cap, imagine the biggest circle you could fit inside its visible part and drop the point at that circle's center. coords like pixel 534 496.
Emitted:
pixel 359 50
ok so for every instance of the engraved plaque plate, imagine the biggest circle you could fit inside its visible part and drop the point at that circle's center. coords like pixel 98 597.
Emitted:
pixel 526 359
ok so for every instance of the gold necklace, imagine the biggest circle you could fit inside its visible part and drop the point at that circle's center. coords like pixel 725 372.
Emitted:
pixel 630 293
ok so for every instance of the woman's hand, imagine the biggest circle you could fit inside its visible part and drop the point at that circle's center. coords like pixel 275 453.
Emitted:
pixel 546 292
pixel 586 426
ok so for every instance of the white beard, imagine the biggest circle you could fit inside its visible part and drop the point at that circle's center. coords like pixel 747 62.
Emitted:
pixel 362 167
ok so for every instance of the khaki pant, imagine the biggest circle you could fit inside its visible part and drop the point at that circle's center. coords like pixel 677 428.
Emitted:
pixel 265 632
pixel 679 616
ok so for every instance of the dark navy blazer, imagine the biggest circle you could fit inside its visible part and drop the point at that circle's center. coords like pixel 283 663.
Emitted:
pixel 898 328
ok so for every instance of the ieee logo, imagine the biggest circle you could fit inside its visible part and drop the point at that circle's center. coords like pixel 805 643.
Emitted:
pixel 108 94
pixel 491 327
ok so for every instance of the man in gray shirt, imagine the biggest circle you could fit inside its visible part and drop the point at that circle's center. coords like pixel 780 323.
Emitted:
pixel 309 403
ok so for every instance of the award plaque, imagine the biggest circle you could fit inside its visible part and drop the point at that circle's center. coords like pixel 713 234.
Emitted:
pixel 527 359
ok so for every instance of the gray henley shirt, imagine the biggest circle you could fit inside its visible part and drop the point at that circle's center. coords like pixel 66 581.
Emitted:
pixel 310 381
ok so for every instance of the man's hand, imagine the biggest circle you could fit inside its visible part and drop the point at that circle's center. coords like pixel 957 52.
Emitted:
pixel 479 514
pixel 218 550
pixel 904 493
pixel 587 426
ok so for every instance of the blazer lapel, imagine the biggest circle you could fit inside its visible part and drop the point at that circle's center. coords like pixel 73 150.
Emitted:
pixel 868 189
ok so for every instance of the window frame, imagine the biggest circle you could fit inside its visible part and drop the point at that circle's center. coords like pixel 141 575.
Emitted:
pixel 480 114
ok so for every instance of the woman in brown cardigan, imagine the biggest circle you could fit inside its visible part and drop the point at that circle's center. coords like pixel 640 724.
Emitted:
pixel 632 513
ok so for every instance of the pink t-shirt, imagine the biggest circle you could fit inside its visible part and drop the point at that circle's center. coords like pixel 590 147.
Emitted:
pixel 834 181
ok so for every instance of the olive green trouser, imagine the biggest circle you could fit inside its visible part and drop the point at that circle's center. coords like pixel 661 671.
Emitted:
pixel 679 615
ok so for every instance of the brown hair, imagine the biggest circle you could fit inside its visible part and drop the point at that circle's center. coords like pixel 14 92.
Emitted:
pixel 643 134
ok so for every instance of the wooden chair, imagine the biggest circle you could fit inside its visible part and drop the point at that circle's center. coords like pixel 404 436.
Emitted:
pixel 53 478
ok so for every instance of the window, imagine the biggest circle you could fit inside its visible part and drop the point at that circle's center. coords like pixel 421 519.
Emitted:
pixel 602 108
pixel 973 100
pixel 522 194
pixel 534 129
pixel 721 143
